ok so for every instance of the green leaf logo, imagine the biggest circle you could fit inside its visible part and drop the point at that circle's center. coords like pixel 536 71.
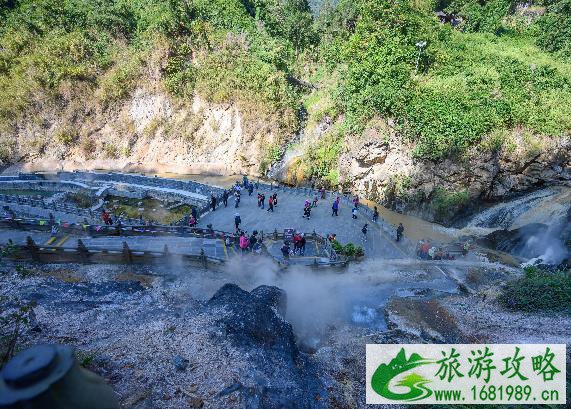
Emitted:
pixel 415 383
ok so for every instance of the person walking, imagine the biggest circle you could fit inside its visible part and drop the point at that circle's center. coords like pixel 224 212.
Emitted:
pixel 354 213
pixel 253 240
pixel 271 204
pixel 263 201
pixel 302 243
pixel 213 202
pixel 296 243
pixel 237 220
pixel 275 197
pixel 335 208
pixel 356 201
pixel 307 212
pixel 400 231
pixel 376 214
pixel 54 230
pixel 225 198
pixel 192 221
pixel 250 189
pixel 236 198
pixel 285 250
pixel 106 217
pixel 364 231
pixel 194 212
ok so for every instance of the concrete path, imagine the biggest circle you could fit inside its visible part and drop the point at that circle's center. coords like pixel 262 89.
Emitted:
pixel 289 212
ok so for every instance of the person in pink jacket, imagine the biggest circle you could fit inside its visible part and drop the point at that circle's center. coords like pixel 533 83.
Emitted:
pixel 244 242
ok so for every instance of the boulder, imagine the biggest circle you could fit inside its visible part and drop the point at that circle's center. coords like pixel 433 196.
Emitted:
pixel 251 319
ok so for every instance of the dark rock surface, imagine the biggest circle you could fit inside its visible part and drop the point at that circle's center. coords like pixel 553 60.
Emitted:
pixel 249 319
pixel 251 322
pixel 512 241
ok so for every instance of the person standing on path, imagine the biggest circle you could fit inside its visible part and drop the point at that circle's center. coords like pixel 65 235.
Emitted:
pixel 271 204
pixel 354 213
pixel 285 250
pixel 237 221
pixel 275 197
pixel 244 242
pixel 302 243
pixel 263 201
pixel 400 231
pixel 307 212
pixel 364 231
pixel 250 189
pixel 225 198
pixel 376 215
pixel 237 198
pixel 54 230
pixel 194 213
pixel 106 218
pixel 213 202
pixel 335 208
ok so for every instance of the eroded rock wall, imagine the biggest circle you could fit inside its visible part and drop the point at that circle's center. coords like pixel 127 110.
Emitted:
pixel 149 131
pixel 380 167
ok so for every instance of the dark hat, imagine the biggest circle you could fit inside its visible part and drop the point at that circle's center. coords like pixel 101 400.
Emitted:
pixel 33 371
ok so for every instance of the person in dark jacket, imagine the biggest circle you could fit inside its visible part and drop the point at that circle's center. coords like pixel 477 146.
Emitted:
pixel 237 220
pixel 213 202
pixel 400 231
pixel 225 198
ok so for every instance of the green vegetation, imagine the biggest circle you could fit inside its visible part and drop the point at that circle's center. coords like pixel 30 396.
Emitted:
pixel 539 291
pixel 497 70
pixel 349 250
pixel 445 204
pixel 149 209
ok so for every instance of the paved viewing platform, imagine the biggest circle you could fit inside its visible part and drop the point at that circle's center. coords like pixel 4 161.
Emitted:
pixel 288 214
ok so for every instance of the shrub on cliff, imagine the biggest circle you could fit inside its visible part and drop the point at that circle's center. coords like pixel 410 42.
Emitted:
pixel 539 291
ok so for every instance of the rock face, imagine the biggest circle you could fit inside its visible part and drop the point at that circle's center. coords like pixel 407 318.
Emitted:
pixel 381 168
pixel 251 319
pixel 252 322
pixel 147 132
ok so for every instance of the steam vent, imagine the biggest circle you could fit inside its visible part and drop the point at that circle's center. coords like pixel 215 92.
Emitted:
pixel 284 204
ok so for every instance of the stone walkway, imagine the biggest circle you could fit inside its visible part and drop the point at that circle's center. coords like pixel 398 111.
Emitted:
pixel 379 243
pixel 288 214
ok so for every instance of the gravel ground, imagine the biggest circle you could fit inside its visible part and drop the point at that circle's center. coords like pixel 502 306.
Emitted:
pixel 160 347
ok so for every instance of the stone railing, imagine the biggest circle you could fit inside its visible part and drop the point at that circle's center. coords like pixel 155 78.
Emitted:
pixel 156 182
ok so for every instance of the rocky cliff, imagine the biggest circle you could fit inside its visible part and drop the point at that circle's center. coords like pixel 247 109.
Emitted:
pixel 380 167
pixel 148 132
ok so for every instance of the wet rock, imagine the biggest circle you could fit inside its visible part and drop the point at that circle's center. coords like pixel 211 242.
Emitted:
pixel 512 241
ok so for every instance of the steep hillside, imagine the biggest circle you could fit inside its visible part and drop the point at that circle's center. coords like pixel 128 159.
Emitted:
pixel 421 111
